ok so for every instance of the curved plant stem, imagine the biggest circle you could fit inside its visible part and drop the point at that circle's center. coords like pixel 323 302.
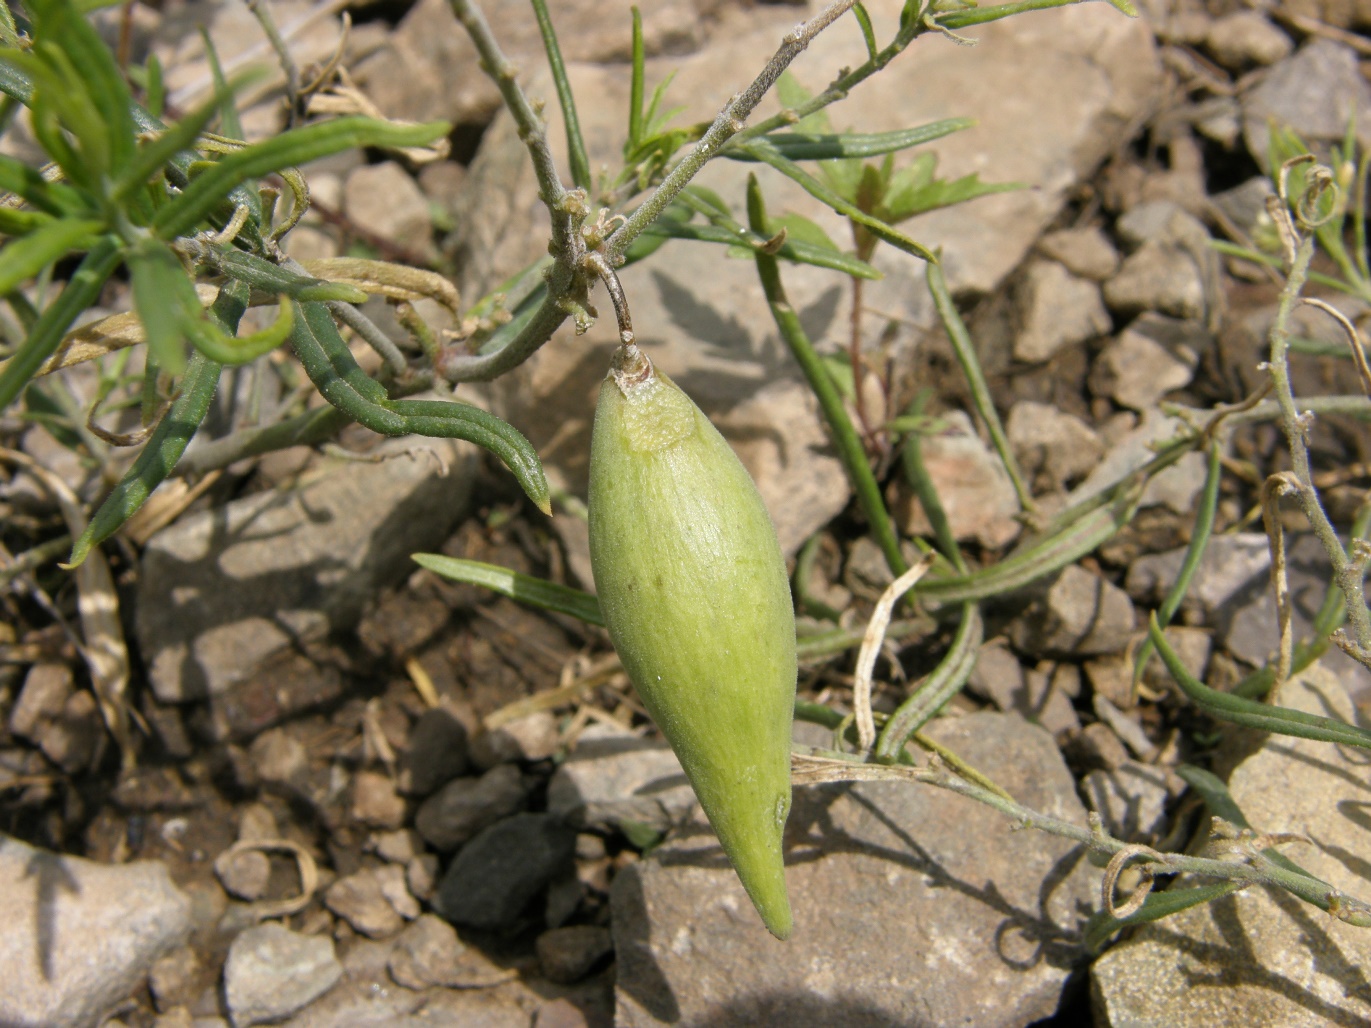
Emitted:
pixel 845 438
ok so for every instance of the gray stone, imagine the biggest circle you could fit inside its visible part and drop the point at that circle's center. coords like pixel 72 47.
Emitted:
pixel 912 906
pixel 79 936
pixel 398 847
pixel 385 199
pixel 1175 488
pixel 499 872
pixel 421 877
pixel 172 978
pixel 1231 565
pixel 73 738
pixel 435 754
pixel 391 878
pixel 465 806
pixel 366 1004
pixel 1139 367
pixel 272 972
pixel 1130 799
pixel 569 954
pixel 1125 725
pixel 1316 91
pixel 375 802
pixel 1097 747
pixel 1036 695
pixel 44 695
pixel 1250 630
pixel 1158 277
pixel 279 758
pixel 428 953
pixel 1244 38
pixel 223 590
pixel 1052 444
pixel 1081 615
pixel 612 776
pixel 1056 309
pixel 359 901
pixel 440 76
pixel 1245 205
pixel 1145 222
pixel 1261 956
pixel 532 737
pixel 1085 252
pixel 243 873
pixel 976 493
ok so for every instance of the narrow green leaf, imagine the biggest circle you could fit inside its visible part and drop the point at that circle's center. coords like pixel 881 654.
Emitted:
pixel 156 87
pixel 848 443
pixel 970 362
pixel 180 136
pixel 536 592
pixel 157 459
pixel 1101 926
pixel 770 156
pixel 261 274
pixel 576 147
pixel 229 122
pixel 447 420
pixel 165 299
pixel 982 15
pixel 1194 553
pixel 868 32
pixel 800 146
pixel 298 146
pixel 792 250
pixel 81 292
pixel 1249 713
pixel 229 350
pixel 27 182
pixel 22 258
pixel 800 229
pixel 635 92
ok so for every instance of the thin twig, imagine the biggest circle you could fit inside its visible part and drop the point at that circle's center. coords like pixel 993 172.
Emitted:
pixel 727 124
pixel 1300 250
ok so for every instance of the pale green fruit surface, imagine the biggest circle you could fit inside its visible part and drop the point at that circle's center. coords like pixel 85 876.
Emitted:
pixel 693 587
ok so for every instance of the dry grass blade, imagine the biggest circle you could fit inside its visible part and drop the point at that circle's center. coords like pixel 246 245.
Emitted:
pixel 395 281
pixel 871 648
pixel 103 647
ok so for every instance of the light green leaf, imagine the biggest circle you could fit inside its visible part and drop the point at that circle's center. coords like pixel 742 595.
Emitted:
pixel 24 257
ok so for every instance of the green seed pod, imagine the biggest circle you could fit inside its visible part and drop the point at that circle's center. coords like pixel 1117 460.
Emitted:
pixel 693 587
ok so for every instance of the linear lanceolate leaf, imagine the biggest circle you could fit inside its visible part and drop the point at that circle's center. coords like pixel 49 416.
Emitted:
pixel 538 592
pixel 1158 905
pixel 24 257
pixel 1250 713
pixel 262 274
pixel 157 458
pixel 771 156
pixel 791 249
pixel 448 420
pixel 298 146
pixel 178 138
pixel 82 290
pixel 27 182
pixel 814 146
pixel 165 299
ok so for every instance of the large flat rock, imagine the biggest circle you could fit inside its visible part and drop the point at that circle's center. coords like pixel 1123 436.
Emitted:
pixel 1261 956
pixel 79 936
pixel 913 906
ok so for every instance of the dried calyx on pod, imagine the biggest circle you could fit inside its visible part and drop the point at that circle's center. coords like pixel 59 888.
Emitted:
pixel 693 588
